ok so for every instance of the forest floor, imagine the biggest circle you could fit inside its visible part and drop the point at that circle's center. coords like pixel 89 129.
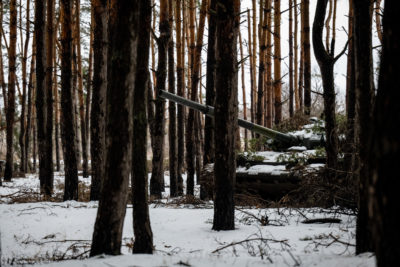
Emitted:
pixel 59 233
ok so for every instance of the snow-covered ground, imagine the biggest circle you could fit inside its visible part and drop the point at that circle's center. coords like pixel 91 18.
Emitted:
pixel 51 231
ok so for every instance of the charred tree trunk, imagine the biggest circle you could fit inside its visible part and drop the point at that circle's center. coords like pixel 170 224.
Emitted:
pixel 141 220
pixel 99 85
pixel 122 67
pixel 384 150
pixel 157 173
pixel 364 90
pixel 10 112
pixel 68 115
pixel 227 26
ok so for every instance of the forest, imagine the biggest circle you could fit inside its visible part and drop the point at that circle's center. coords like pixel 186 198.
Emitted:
pixel 199 133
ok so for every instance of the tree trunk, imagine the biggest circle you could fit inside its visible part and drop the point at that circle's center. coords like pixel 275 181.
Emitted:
pixel 307 58
pixel 8 172
pixel 243 88
pixel 291 88
pixel 261 65
pixel 296 60
pixel 49 178
pixel 122 66
pixel 227 25
pixel 384 149
pixel 24 62
pixel 326 63
pixel 2 80
pixel 180 84
pixel 99 89
pixel 80 90
pixel 196 61
pixel 269 83
pixel 157 173
pixel 173 156
pixel 41 103
pixel 141 220
pixel 277 62
pixel 364 89
pixel 68 115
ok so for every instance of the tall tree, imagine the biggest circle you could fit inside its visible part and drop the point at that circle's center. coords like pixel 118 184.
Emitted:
pixel 210 86
pixel 277 62
pixel 384 149
pixel 291 82
pixel 24 62
pixel 141 220
pixel 364 89
pixel 10 112
pixel 173 155
pixel 49 177
pixel 261 64
pixel 80 90
pixel 157 173
pixel 180 87
pixel 195 70
pixel 227 27
pixel 326 62
pixel 307 56
pixel 122 67
pixel 99 89
pixel 68 130
pixel 268 73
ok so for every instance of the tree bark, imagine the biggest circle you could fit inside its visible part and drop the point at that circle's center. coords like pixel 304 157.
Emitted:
pixel 157 173
pixel 99 88
pixel 180 84
pixel 141 220
pixel 122 67
pixel 277 62
pixel 326 63
pixel 291 87
pixel 364 90
pixel 384 149
pixel 68 115
pixel 8 172
pixel 227 25
pixel 173 155
pixel 307 58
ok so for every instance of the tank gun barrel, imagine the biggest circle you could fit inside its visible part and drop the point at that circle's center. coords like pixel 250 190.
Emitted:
pixel 288 139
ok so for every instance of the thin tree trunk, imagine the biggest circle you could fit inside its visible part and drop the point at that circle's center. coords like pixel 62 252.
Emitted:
pixel 252 81
pixel 8 172
pixel 157 174
pixel 307 58
pixel 2 80
pixel 291 87
pixel 261 64
pixel 122 67
pixel 180 84
pixel 80 90
pixel 227 24
pixel 196 61
pixel 243 88
pixel 98 110
pixel 268 73
pixel 68 129
pixel 296 60
pixel 22 135
pixel 173 156
pixel 141 219
pixel 49 178
pixel 277 62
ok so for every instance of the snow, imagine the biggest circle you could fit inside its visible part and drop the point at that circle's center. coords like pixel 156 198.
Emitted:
pixel 45 231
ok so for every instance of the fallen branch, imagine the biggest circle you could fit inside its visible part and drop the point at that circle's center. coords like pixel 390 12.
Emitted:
pixel 284 241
